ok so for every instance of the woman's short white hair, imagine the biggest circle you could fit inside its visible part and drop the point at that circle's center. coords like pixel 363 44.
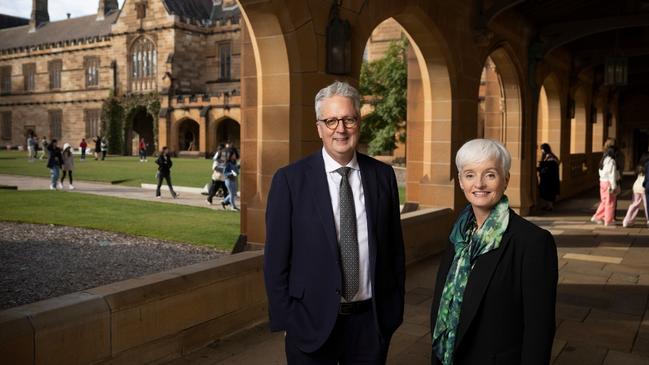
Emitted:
pixel 479 150
pixel 338 88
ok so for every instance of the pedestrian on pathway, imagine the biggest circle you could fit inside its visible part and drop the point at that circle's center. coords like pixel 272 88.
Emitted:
pixel 231 171
pixel 549 184
pixel 31 153
pixel 217 187
pixel 142 147
pixel 83 145
pixel 104 148
pixel 639 197
pixel 97 151
pixel 54 163
pixel 68 164
pixel 45 148
pixel 608 189
pixel 164 172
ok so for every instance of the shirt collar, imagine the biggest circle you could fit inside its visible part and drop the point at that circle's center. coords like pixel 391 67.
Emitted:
pixel 332 165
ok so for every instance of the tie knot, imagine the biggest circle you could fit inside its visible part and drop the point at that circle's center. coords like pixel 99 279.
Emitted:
pixel 344 171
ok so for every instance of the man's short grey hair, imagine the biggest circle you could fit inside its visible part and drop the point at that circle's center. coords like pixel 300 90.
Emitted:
pixel 338 88
pixel 479 150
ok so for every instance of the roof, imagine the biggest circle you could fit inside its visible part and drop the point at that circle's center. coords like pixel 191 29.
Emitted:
pixel 53 32
pixel 8 21
pixel 201 10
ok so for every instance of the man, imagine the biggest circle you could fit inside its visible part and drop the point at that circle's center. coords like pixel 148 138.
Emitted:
pixel 334 255
pixel 164 172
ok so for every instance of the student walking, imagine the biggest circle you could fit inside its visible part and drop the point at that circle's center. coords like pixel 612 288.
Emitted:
pixel 608 189
pixel 45 148
pixel 97 152
pixel 31 148
pixel 639 197
pixel 104 148
pixel 54 163
pixel 68 164
pixel 231 172
pixel 164 172
pixel 217 187
pixel 142 150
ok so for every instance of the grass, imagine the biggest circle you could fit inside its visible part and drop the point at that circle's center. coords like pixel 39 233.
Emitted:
pixel 200 226
pixel 402 194
pixel 115 169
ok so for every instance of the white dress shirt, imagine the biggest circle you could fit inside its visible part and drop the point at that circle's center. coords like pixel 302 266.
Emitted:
pixel 354 177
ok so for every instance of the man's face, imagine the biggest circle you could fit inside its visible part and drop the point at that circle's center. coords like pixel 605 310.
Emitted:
pixel 340 143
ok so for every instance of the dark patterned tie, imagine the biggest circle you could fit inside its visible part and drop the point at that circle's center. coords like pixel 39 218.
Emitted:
pixel 348 242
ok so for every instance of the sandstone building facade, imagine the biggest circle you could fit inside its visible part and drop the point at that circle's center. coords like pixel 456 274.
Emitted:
pixel 172 67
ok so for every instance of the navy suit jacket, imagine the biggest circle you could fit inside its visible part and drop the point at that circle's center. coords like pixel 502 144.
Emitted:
pixel 301 264
pixel 507 314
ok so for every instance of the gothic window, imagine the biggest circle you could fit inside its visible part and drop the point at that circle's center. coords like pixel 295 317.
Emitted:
pixel 225 61
pixel 91 65
pixel 55 68
pixel 29 76
pixel 55 123
pixel 5 80
pixel 143 65
pixel 92 119
pixel 5 127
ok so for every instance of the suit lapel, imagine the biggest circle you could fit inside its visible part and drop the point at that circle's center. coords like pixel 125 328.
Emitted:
pixel 322 200
pixel 477 285
pixel 371 195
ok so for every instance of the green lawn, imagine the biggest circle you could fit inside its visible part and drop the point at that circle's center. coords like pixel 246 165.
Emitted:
pixel 116 169
pixel 201 226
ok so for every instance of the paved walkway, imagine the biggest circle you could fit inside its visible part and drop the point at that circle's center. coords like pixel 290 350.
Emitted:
pixel 105 189
pixel 602 313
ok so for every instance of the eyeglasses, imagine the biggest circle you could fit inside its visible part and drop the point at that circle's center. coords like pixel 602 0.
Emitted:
pixel 332 123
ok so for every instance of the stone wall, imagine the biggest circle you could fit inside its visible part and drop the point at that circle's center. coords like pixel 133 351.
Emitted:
pixel 160 317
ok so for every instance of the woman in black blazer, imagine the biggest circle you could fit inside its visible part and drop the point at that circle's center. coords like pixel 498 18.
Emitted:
pixel 494 300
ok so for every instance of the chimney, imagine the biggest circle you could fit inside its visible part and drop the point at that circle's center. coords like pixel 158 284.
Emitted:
pixel 105 7
pixel 40 14
pixel 216 9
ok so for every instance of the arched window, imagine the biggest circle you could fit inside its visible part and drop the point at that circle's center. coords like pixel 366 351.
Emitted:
pixel 143 65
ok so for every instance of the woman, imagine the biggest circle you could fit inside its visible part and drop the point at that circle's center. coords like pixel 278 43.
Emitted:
pixel 217 187
pixel 164 172
pixel 68 164
pixel 608 189
pixel 639 199
pixel 231 171
pixel 142 146
pixel 549 183
pixel 494 301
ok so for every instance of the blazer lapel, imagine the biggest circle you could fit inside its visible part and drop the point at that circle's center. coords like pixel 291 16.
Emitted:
pixel 371 194
pixel 477 285
pixel 322 200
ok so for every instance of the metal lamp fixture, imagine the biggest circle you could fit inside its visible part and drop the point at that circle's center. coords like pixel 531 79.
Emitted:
pixel 616 71
pixel 339 45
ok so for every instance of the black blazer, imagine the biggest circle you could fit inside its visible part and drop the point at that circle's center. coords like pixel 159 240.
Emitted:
pixel 301 263
pixel 507 314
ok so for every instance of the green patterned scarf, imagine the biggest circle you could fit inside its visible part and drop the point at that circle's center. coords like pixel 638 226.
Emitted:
pixel 469 243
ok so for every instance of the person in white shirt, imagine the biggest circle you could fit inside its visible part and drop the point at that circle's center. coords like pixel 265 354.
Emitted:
pixel 608 189
pixel 639 198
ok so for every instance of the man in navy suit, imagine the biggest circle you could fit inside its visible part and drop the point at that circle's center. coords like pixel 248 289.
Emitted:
pixel 334 255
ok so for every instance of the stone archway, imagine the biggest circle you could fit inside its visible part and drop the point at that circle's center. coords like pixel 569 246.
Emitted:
pixel 502 114
pixel 141 127
pixel 549 116
pixel 228 130
pixel 578 123
pixel 188 132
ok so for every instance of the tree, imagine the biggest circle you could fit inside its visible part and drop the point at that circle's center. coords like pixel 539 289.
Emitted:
pixel 384 84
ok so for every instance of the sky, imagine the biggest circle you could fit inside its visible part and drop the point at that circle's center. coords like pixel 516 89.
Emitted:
pixel 57 8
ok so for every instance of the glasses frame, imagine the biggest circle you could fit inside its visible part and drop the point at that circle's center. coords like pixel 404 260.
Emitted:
pixel 338 120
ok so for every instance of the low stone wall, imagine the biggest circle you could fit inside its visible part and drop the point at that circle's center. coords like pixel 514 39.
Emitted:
pixel 162 316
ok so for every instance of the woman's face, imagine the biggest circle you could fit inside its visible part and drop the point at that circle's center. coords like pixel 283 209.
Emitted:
pixel 483 183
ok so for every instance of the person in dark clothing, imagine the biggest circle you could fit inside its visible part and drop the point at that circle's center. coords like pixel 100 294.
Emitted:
pixel 83 145
pixel 231 171
pixel 164 172
pixel 549 184
pixel 97 141
pixel 54 163
pixel 231 150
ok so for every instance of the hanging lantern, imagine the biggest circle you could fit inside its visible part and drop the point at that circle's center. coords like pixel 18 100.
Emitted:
pixel 616 72
pixel 339 45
